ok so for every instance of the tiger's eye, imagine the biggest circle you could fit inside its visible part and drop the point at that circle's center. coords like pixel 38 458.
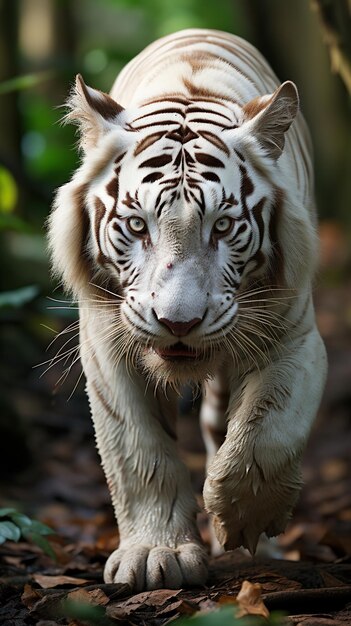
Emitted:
pixel 136 225
pixel 222 226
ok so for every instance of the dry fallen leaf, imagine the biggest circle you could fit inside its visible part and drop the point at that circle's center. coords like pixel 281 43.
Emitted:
pixel 249 600
pixel 30 596
pixel 47 582
pixel 157 598
pixel 226 599
pixel 152 598
pixel 181 607
pixel 15 561
pixel 46 605
pixel 93 596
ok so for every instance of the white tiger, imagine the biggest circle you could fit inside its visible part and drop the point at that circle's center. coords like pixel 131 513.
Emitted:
pixel 188 236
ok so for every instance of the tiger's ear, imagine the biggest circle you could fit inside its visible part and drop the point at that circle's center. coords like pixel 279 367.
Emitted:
pixel 270 117
pixel 92 111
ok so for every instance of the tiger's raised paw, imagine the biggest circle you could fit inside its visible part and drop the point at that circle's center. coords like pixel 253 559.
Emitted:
pixel 241 513
pixel 145 568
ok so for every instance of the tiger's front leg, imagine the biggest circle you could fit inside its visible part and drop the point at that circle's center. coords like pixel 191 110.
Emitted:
pixel 254 479
pixel 149 485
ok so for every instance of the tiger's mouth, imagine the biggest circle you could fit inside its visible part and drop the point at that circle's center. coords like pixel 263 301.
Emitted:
pixel 178 352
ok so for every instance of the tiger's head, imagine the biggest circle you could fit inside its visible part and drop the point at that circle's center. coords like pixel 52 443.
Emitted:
pixel 178 208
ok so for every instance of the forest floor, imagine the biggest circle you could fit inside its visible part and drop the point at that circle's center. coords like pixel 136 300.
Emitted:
pixel 61 484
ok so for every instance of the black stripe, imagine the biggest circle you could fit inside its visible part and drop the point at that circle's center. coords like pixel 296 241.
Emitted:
pixel 208 159
pixel 201 110
pixel 206 121
pixel 151 178
pixel 161 112
pixel 158 161
pixel 211 176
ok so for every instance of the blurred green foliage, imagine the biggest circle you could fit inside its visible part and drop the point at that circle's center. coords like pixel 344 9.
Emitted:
pixel 15 526
pixel 8 191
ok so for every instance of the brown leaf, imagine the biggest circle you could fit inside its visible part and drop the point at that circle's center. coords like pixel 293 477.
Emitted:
pixel 181 607
pixel 160 596
pixel 226 599
pixel 30 596
pixel 48 604
pixel 155 598
pixel 16 561
pixel 95 596
pixel 249 600
pixel 47 582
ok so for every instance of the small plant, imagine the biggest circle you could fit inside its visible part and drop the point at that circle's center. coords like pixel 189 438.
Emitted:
pixel 15 526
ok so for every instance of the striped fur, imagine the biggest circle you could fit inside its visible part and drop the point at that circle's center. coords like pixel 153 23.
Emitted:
pixel 188 236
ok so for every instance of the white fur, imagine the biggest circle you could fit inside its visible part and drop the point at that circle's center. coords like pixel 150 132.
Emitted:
pixel 274 382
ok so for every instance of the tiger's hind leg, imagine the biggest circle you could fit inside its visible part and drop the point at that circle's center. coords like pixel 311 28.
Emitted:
pixel 213 420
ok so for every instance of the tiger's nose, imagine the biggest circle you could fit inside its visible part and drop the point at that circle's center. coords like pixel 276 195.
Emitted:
pixel 180 329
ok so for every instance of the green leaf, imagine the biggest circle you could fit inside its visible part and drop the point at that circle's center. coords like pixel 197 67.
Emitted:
pixel 40 542
pixel 22 525
pixel 8 191
pixel 25 82
pixel 21 520
pixel 40 528
pixel 8 530
pixel 7 511
pixel 18 297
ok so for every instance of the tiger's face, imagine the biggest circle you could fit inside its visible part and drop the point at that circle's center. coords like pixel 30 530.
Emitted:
pixel 182 220
pixel 182 226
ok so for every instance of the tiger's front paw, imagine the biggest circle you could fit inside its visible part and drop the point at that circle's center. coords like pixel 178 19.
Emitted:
pixel 153 567
pixel 245 506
